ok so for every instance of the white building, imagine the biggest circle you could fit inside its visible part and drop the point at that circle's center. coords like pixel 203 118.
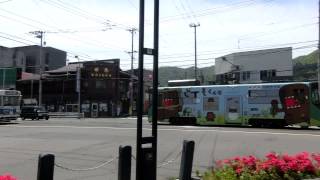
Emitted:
pixel 270 65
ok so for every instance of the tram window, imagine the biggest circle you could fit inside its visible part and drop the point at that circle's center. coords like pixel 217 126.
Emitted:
pixel 262 96
pixel 211 104
pixel 299 94
pixel 315 97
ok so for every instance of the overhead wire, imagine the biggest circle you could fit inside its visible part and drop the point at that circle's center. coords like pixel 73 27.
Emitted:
pixel 212 52
pixel 210 11
pixel 244 54
pixel 24 41
pixel 94 42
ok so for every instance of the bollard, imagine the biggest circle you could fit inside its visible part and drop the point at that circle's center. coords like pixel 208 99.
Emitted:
pixel 45 167
pixel 186 160
pixel 124 164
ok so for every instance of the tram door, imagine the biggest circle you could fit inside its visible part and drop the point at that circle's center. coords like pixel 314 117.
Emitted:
pixel 94 110
pixel 233 111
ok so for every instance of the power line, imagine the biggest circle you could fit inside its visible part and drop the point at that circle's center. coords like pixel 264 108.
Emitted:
pixel 5 1
pixel 212 52
pixel 83 13
pixel 257 53
pixel 97 43
pixel 209 11
pixel 23 39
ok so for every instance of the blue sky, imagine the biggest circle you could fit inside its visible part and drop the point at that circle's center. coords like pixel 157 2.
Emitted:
pixel 96 29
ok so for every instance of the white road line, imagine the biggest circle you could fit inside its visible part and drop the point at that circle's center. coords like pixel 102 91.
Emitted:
pixel 173 129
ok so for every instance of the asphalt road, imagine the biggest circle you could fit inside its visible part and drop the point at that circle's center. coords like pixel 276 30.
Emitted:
pixel 86 143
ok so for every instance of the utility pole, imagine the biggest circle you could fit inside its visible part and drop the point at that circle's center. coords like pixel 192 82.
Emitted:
pixel 318 69
pixel 79 86
pixel 132 31
pixel 193 25
pixel 39 34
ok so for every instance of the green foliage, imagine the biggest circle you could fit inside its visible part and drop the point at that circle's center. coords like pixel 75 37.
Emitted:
pixel 305 67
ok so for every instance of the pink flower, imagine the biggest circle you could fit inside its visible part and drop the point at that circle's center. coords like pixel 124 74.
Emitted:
pixel 7 177
pixel 239 171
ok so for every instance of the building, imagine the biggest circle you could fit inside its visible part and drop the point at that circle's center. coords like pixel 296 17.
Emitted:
pixel 270 65
pixel 147 86
pixel 103 88
pixel 11 57
pixel 51 58
pixel 12 62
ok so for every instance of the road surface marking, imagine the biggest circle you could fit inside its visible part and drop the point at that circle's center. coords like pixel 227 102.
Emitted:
pixel 172 129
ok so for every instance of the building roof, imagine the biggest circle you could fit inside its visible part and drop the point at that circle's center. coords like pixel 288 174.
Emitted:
pixel 29 76
pixel 67 68
pixel 259 52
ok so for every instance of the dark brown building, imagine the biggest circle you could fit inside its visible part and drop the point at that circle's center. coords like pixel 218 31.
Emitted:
pixel 104 88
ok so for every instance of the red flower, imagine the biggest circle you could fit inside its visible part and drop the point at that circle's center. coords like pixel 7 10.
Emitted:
pixel 7 177
pixel 239 171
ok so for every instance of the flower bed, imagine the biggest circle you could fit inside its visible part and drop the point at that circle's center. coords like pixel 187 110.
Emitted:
pixel 273 166
pixel 7 177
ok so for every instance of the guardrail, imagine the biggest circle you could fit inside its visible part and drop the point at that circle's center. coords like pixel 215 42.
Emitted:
pixel 66 114
pixel 46 163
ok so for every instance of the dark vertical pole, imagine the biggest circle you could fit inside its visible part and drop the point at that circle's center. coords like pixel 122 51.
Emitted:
pixel 318 69
pixel 186 160
pixel 124 166
pixel 155 84
pixel 195 54
pixel 131 75
pixel 140 96
pixel 45 167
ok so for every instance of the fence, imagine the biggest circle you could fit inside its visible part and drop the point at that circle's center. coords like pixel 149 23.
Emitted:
pixel 66 114
pixel 46 163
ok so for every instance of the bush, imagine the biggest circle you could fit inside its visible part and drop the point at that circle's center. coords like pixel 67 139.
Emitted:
pixel 272 167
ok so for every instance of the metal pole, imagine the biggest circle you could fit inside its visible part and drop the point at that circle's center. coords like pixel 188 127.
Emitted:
pixel 131 76
pixel 319 48
pixel 124 163
pixel 195 49
pixel 186 160
pixel 139 169
pixel 155 85
pixel 79 86
pixel 40 68
pixel 31 93
pixel 45 167
pixel 79 92
pixel 4 77
pixel 195 53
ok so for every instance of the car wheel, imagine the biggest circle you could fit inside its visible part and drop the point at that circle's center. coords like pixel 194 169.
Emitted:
pixel 47 118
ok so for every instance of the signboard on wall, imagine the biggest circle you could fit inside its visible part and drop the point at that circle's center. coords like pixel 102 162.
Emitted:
pixel 8 77
pixel 101 70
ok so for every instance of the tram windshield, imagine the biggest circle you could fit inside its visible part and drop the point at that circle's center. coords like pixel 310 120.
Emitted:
pixel 315 94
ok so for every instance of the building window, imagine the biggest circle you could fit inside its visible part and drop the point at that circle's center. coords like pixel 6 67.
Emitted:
pixel 46 60
pixel 101 84
pixel 245 75
pixel 267 74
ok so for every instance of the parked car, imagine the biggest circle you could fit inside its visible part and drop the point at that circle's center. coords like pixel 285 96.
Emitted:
pixel 34 112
